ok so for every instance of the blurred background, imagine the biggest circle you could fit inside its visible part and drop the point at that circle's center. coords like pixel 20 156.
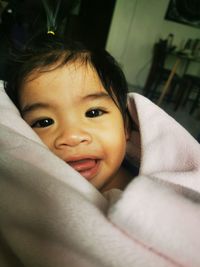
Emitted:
pixel 157 43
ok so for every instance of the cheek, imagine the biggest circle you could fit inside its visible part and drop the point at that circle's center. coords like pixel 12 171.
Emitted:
pixel 46 138
pixel 113 142
pixel 119 147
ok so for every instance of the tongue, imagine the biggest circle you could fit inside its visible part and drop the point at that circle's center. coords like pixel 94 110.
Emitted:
pixel 82 165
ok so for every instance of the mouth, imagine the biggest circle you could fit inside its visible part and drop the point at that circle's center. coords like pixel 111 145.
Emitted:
pixel 87 167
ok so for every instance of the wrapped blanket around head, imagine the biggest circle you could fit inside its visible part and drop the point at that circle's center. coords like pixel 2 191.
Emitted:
pixel 50 216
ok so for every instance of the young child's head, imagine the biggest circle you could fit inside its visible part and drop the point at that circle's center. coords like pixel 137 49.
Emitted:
pixel 74 98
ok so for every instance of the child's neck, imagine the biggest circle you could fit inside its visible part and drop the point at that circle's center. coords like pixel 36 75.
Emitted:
pixel 120 180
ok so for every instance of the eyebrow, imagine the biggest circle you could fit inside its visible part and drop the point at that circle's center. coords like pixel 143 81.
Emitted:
pixel 34 106
pixel 96 95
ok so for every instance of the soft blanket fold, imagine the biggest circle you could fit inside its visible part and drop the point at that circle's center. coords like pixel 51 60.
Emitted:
pixel 50 216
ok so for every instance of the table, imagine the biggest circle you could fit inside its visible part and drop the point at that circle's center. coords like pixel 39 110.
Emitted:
pixel 180 57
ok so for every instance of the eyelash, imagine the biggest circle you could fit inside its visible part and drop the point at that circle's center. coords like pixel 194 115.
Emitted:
pixel 38 123
pixel 92 113
pixel 95 112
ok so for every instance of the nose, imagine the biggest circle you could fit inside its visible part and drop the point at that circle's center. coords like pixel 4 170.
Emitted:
pixel 71 137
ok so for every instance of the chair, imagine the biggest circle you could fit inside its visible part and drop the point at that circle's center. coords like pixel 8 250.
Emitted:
pixel 158 74
pixel 190 85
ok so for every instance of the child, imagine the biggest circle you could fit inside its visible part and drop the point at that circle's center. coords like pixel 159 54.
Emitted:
pixel 50 215
pixel 75 98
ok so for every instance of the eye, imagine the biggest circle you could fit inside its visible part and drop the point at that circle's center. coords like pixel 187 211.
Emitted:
pixel 96 112
pixel 42 123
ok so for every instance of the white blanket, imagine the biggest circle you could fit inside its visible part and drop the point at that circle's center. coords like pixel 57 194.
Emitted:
pixel 50 216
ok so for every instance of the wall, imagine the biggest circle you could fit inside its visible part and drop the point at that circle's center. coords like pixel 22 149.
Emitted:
pixel 135 27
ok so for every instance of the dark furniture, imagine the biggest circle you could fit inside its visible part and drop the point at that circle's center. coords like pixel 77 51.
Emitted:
pixel 158 74
pixel 188 91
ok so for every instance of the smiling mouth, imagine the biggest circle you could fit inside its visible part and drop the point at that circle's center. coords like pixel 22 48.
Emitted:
pixel 88 167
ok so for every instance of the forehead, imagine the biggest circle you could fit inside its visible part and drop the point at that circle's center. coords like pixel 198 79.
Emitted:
pixel 79 76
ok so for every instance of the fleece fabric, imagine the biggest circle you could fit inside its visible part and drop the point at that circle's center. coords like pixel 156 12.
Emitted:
pixel 50 216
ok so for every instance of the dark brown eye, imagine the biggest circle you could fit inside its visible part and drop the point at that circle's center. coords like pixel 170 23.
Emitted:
pixel 95 113
pixel 42 123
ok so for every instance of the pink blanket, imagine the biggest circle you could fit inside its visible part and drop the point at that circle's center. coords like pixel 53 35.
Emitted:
pixel 50 216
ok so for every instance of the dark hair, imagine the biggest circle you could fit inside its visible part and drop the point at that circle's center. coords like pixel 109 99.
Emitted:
pixel 42 54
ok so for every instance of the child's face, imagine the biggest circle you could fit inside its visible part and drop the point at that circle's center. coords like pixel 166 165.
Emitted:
pixel 76 118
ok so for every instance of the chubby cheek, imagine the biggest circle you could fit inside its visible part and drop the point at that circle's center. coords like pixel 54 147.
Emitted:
pixel 114 145
pixel 118 151
pixel 46 139
pixel 113 148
